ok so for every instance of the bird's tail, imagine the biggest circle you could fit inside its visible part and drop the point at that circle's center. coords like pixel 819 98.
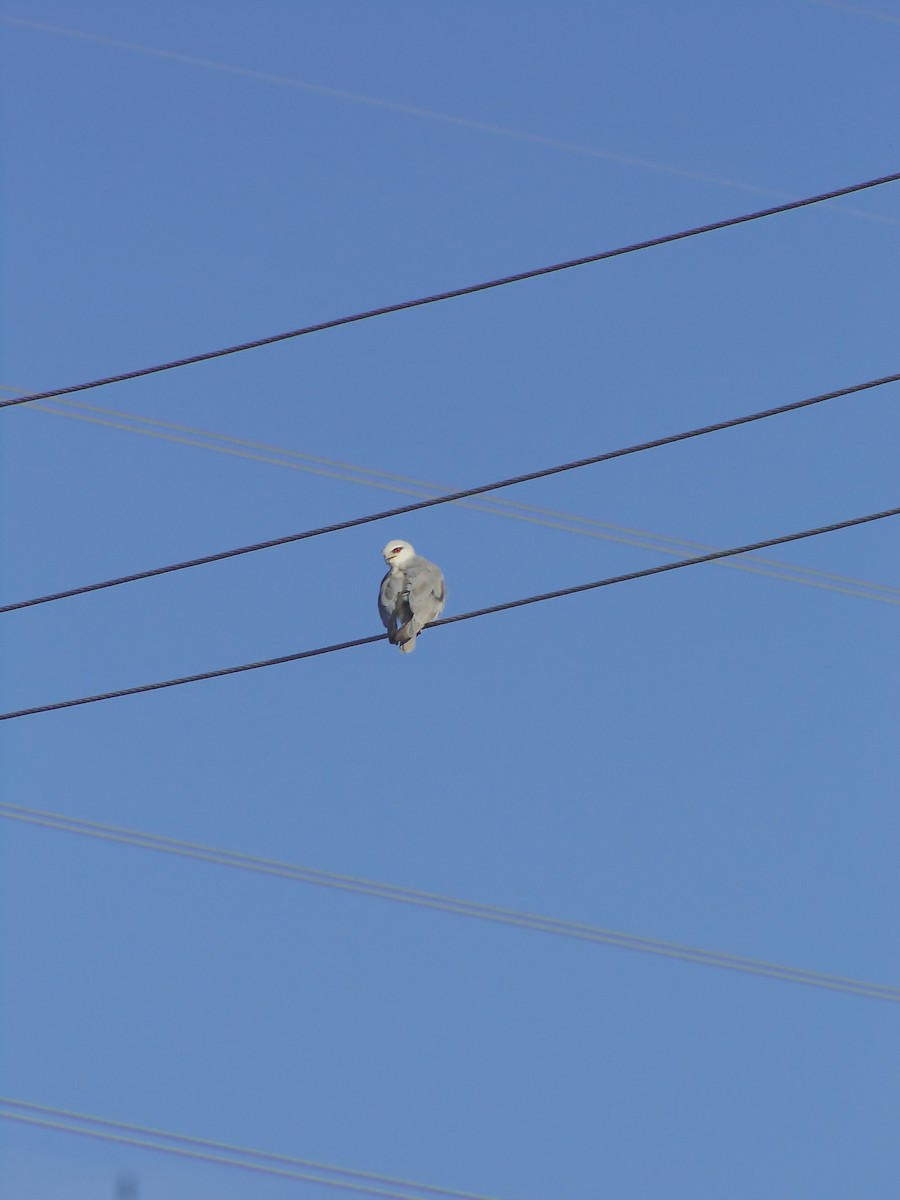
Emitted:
pixel 405 636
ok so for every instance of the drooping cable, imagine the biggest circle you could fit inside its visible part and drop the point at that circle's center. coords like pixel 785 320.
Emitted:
pixel 454 293
pixel 450 497
pixel 481 612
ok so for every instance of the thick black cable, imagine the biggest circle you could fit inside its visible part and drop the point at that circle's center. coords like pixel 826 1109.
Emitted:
pixel 479 612
pixel 450 497
pixel 665 239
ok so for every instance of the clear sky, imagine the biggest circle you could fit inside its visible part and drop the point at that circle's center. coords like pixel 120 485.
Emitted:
pixel 706 757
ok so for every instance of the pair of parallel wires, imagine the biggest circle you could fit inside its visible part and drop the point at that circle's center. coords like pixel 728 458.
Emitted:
pixel 227 1154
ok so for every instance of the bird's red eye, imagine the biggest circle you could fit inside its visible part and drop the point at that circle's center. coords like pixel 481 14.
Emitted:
pixel 396 550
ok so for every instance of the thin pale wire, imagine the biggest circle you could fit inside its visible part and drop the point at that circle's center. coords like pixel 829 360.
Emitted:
pixel 299 655
pixel 427 114
pixel 455 293
pixel 206 1156
pixel 481 489
pixel 441 903
pixel 627 160
pixel 496 506
pixel 871 13
pixel 244 1151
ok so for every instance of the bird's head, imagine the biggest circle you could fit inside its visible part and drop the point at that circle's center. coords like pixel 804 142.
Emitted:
pixel 397 553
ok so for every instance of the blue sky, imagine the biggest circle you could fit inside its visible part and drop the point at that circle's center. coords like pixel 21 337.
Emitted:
pixel 707 757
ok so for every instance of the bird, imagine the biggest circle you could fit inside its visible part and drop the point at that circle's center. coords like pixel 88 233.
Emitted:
pixel 412 594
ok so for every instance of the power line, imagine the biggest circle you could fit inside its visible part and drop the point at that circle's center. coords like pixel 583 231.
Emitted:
pixel 449 498
pixel 872 13
pixel 448 904
pixel 546 518
pixel 378 102
pixel 246 1152
pixel 713 556
pixel 208 1157
pixel 469 290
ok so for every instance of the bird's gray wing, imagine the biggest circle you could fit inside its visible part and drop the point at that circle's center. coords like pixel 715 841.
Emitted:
pixel 391 605
pixel 425 592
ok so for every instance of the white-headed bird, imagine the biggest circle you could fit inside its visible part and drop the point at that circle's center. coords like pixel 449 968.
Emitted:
pixel 412 594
